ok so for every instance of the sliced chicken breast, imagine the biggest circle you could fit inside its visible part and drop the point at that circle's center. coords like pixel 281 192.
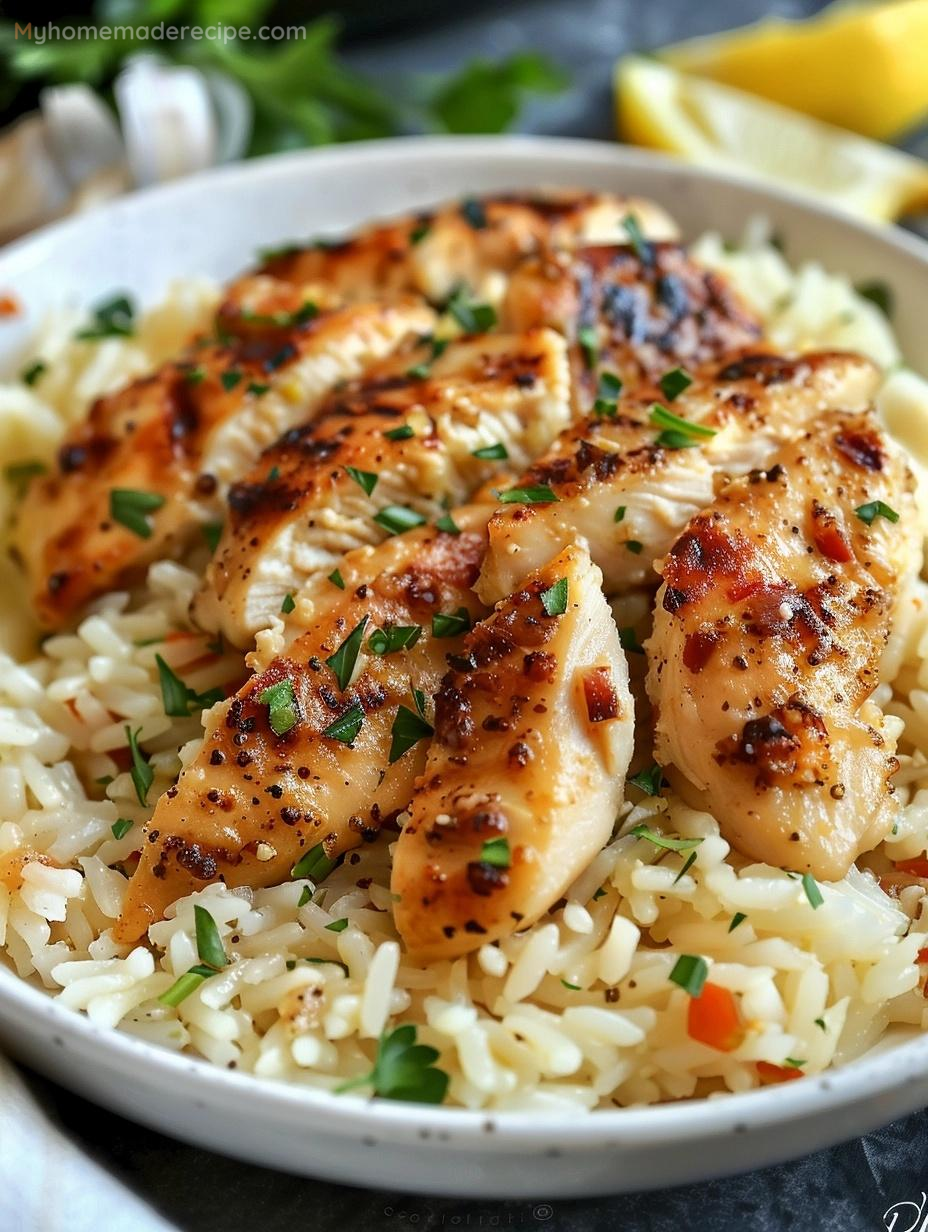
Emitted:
pixel 634 310
pixel 409 440
pixel 323 744
pixel 776 604
pixel 475 242
pixel 625 485
pixel 152 461
pixel 534 727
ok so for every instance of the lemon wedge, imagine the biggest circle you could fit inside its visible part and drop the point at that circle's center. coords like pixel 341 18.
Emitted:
pixel 716 126
pixel 863 67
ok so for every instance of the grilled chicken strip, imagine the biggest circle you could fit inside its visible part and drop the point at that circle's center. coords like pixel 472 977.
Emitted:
pixel 626 495
pixel 398 446
pixel 533 735
pixel 775 607
pixel 152 461
pixel 274 778
pixel 634 311
pixel 475 243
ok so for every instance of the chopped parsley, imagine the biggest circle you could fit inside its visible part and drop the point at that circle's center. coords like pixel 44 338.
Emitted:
pixel 346 727
pixel 554 599
pixel 141 772
pixel 393 638
pixel 288 604
pixel 628 640
pixel 690 860
pixel 409 727
pixel 878 293
pixel 114 318
pixel 335 577
pixel 178 698
pixel 282 320
pixel 229 380
pixel 131 509
pixel 619 515
pixel 536 494
pixel 473 317
pixel 212 533
pixel 402 433
pixel 607 394
pixel 634 546
pixel 288 249
pixel 690 973
pixel 589 345
pixel 738 918
pixel 305 896
pixel 282 709
pixel 473 212
pixel 492 453
pixel 813 893
pixel 194 376
pixel 821 1024
pixel 211 953
pixel 395 519
pixel 495 851
pixel 450 624
pixel 121 827
pixel 678 433
pixel 419 232
pixel 674 382
pixel 792 1063
pixel 660 840
pixel 366 480
pixel 447 523
pixel 403 1070
pixel 572 987
pixel 337 926
pixel 419 372
pixel 344 660
pixel 315 865
pixel 649 781
pixel 20 474
pixel 31 374
pixel 876 509
pixel 273 475
pixel 257 388
pixel 641 247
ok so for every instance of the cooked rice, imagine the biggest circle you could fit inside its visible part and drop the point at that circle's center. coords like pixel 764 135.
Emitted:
pixel 573 1014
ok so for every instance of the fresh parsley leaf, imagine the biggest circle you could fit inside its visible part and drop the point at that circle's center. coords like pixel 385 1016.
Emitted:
pixel 640 246
pixel 344 660
pixel 315 865
pixel 395 519
pixel 472 316
pixel 229 379
pixel 447 523
pixel 491 453
pixel 404 1070
pixel 450 624
pixel 419 232
pixel 589 344
pixel 690 973
pixel 572 987
pixel 879 293
pixel 495 851
pixel 210 949
pixel 337 926
pixel 141 772
pixel 554 599
pixel 409 727
pixel 257 388
pixel 535 494
pixel 20 474
pixel 634 546
pixel 674 382
pixel 402 433
pixel 419 372
pixel 393 638
pixel 473 212
pixel 131 509
pixel 628 640
pixel 121 827
pixel 619 515
pixel 685 428
pixel 212 533
pixel 876 509
pixel 485 97
pixel 335 577
pixel 181 989
pixel 690 860
pixel 366 480
pixel 113 318
pixel 305 896
pixel 283 712
pixel 660 840
pixel 649 781
pixel 813 893
pixel 195 376
pixel 607 394
pixel 738 918
pixel 288 604
pixel 178 698
pixel 346 727
pixel 33 371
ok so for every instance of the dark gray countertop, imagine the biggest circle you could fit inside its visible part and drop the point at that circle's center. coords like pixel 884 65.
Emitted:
pixel 847 1188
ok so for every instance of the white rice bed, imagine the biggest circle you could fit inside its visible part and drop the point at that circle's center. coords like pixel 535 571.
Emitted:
pixel 578 1012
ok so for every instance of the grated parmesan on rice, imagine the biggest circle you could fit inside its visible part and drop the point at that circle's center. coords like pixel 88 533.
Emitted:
pixel 575 1013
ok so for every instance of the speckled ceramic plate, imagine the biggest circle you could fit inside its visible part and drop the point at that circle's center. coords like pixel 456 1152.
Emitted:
pixel 211 224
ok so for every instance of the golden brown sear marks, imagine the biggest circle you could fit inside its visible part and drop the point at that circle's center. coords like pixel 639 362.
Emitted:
pixel 776 605
pixel 416 434
pixel 274 777
pixel 633 310
pixel 169 444
pixel 533 734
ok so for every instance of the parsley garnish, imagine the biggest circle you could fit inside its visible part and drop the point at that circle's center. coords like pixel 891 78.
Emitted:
pixel 409 727
pixel 347 725
pixel 212 533
pixel 404 1070
pixel 19 474
pixel 690 860
pixel 393 638
pixel 536 494
pixel 628 640
pixel 450 624
pixel 178 698
pixel 344 660
pixel 402 433
pixel 473 212
pixel 257 388
pixel 491 453
pixel 813 893
pixel 141 773
pixel 607 394
pixel 111 319
pixel 619 515
pixel 273 475
pixel 447 523
pixel 131 509
pixel 419 372
pixel 337 926
pixel 649 781
pixel 659 840
pixel 283 712
pixel 678 433
pixel 879 293
pixel 572 987
pixel 288 604
pixel 473 317
pixel 31 374
pixel 495 851
pixel 121 827
pixel 419 232
pixel 738 918
pixel 315 865
pixel 690 973
pixel 876 509
pixel 305 896
pixel 194 376
pixel 589 344
pixel 283 320
pixel 335 577
pixel 395 519
pixel 230 379
pixel 641 247
pixel 674 382
pixel 554 599
pixel 366 480
pixel 634 546
pixel 211 953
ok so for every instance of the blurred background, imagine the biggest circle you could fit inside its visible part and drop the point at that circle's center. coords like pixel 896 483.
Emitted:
pixel 125 93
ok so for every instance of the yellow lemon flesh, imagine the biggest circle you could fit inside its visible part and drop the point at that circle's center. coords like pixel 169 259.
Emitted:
pixel 714 125
pixel 863 67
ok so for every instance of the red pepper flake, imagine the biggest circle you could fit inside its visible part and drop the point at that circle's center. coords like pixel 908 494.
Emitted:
pixel 602 701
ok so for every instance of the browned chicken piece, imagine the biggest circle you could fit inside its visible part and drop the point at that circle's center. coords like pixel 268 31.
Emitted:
pixel 149 466
pixel 534 727
pixel 625 483
pixel 410 439
pixel 323 745
pixel 776 605
pixel 475 242
pixel 632 311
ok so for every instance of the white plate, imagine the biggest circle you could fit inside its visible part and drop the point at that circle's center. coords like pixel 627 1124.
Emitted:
pixel 212 223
